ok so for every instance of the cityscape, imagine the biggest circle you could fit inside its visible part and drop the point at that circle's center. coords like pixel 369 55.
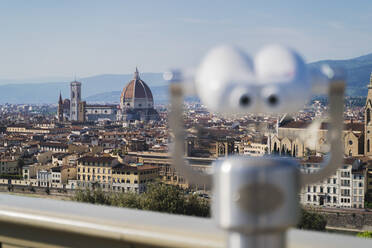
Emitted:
pixel 126 124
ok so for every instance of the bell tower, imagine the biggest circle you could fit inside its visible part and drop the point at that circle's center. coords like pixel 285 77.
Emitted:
pixel 75 88
pixel 60 108
pixel 368 121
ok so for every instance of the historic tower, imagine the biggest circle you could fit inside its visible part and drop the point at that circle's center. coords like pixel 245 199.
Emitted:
pixel 60 108
pixel 75 97
pixel 368 121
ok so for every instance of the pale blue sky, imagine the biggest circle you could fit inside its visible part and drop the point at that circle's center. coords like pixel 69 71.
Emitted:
pixel 55 38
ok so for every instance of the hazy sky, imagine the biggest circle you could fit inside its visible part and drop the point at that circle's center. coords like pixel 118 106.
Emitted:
pixel 55 38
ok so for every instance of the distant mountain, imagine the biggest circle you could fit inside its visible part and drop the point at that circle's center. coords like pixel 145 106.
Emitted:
pixel 38 93
pixel 358 73
pixel 107 88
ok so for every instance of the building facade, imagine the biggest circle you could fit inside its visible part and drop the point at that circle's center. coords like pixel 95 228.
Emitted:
pixel 344 189
pixel 75 99
pixel 95 172
pixel 100 112
pixel 368 121
pixel 133 178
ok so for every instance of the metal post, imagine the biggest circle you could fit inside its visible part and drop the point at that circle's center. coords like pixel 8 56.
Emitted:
pixel 256 199
pixel 272 240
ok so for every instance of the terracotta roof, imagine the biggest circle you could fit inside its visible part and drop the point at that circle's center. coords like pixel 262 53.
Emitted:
pixel 52 144
pixel 136 88
pixel 319 159
pixel 96 159
pixel 355 126
pixel 139 168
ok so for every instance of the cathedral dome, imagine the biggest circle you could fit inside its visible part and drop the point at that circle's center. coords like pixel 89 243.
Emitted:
pixel 136 94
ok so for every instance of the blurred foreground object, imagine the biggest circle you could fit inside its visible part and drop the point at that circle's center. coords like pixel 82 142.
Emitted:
pixel 255 199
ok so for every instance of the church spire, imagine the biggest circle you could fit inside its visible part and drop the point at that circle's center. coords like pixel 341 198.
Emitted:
pixel 60 98
pixel 136 74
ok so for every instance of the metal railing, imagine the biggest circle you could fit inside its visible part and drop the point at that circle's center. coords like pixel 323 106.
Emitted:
pixel 35 222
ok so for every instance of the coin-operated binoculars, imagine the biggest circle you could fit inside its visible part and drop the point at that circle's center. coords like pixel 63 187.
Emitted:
pixel 256 198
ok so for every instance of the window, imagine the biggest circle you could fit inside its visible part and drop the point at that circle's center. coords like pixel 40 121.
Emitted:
pixel 368 115
pixel 368 146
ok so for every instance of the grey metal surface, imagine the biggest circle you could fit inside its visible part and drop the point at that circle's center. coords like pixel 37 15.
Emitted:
pixel 116 225
pixel 176 124
pixel 35 222
pixel 336 117
pixel 256 199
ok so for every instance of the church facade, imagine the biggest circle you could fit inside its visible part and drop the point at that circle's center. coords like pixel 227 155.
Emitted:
pixel 293 139
pixel 136 103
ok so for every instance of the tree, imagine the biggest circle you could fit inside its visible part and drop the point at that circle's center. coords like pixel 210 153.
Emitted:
pixel 163 198
pixel 20 163
pixel 366 234
pixel 127 200
pixel 197 206
pixel 159 197
pixel 312 221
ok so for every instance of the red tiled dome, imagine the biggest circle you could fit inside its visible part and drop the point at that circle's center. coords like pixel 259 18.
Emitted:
pixel 136 88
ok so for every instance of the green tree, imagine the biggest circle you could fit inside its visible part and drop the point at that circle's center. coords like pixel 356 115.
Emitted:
pixel 163 198
pixel 96 196
pixel 197 206
pixel 159 197
pixel 126 200
pixel 312 221
pixel 20 163
pixel 366 234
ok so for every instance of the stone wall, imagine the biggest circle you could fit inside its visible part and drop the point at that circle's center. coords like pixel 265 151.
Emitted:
pixel 360 220
pixel 36 190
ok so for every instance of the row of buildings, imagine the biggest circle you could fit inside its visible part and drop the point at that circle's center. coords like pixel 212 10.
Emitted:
pixel 351 185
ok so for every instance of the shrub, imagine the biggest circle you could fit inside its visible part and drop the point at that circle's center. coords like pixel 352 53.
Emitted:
pixel 366 234
pixel 159 197
pixel 312 221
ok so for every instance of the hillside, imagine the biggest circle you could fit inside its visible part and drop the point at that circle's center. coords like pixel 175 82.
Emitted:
pixel 38 93
pixel 106 88
pixel 358 73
